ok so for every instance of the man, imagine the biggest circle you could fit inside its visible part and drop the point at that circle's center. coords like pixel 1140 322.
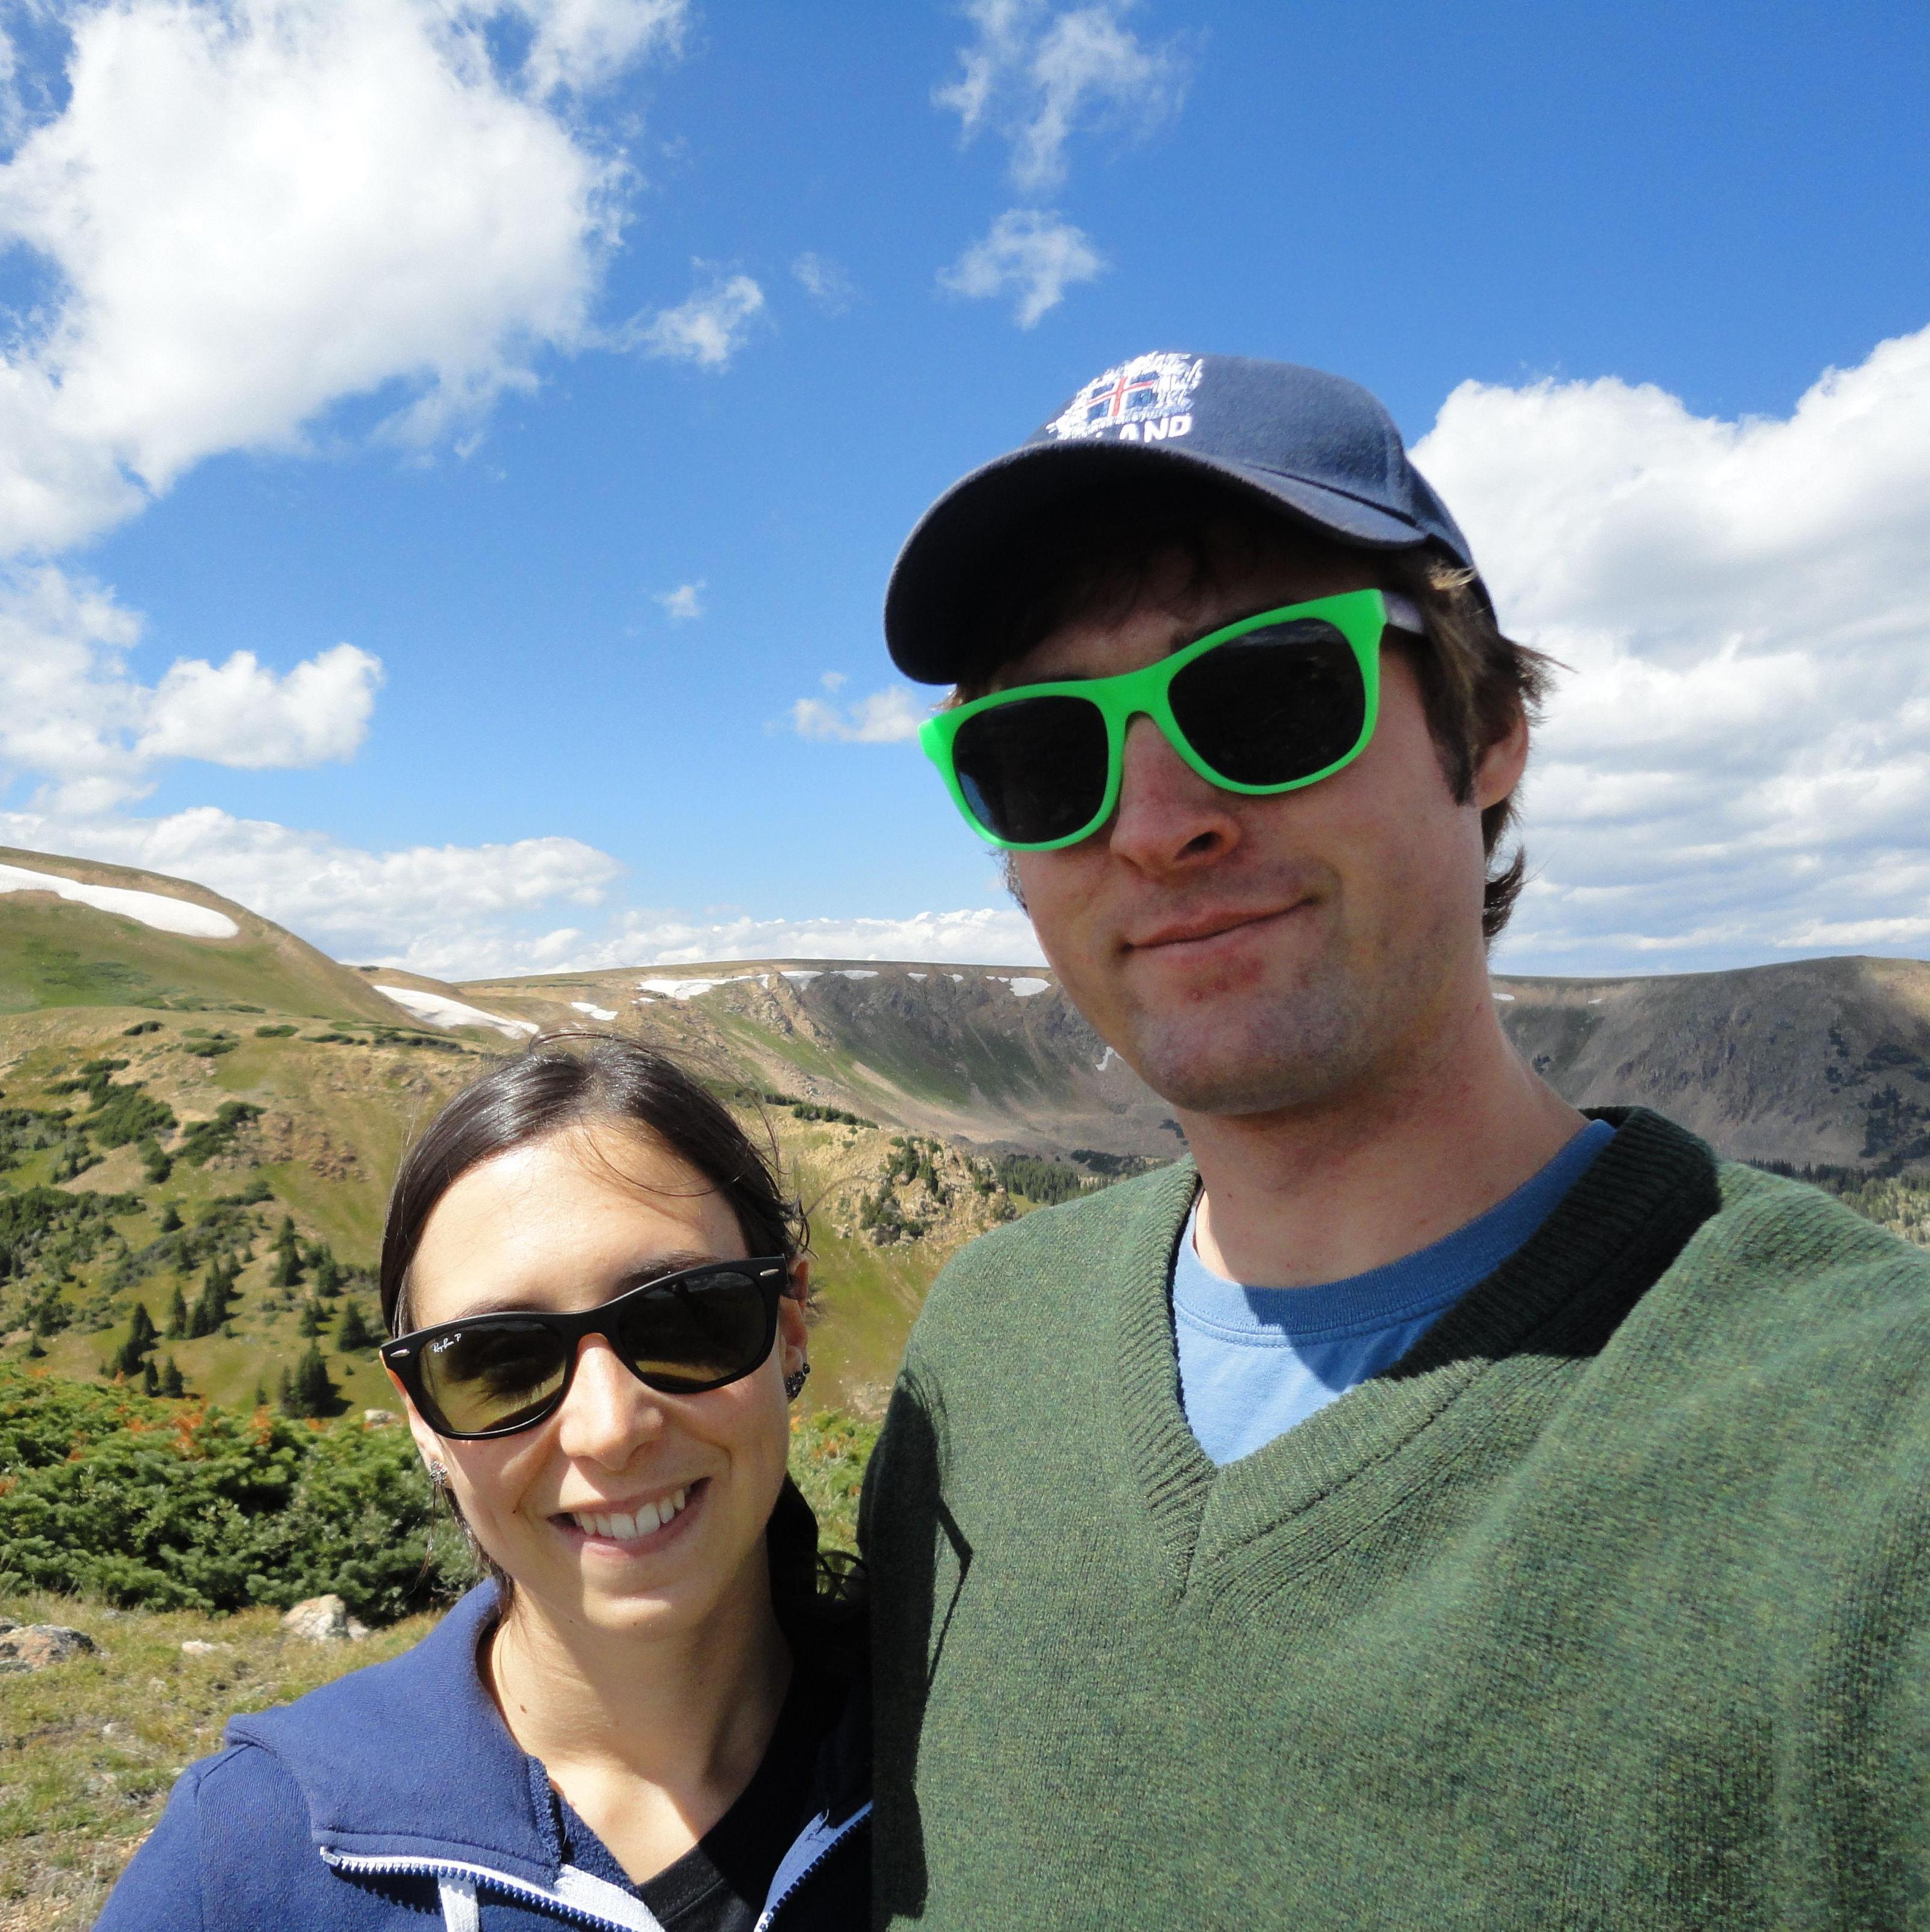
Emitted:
pixel 1425 1507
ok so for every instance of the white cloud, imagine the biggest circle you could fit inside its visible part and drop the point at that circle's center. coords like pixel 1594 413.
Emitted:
pixel 255 210
pixel 886 717
pixel 1738 762
pixel 1038 75
pixel 995 935
pixel 72 714
pixel 825 282
pixel 1030 254
pixel 426 906
pixel 469 912
pixel 242 714
pixel 708 329
pixel 683 603
pixel 582 44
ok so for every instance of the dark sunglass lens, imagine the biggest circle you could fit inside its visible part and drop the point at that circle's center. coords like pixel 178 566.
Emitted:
pixel 697 1331
pixel 500 1373
pixel 1034 769
pixel 1274 705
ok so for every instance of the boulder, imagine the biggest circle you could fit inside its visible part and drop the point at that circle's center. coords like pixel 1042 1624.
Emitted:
pixel 33 1646
pixel 324 1620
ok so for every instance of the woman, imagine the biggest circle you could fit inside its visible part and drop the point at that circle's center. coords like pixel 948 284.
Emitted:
pixel 648 1715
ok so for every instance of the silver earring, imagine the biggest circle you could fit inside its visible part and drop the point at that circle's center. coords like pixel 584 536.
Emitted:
pixel 438 1474
pixel 794 1382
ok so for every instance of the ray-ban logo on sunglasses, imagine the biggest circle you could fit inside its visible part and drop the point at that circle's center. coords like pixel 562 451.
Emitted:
pixel 1144 401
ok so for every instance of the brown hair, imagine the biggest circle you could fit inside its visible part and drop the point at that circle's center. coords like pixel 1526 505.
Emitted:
pixel 571 1078
pixel 1099 559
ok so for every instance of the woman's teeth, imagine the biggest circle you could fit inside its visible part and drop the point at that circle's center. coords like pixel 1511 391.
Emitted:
pixel 621 1528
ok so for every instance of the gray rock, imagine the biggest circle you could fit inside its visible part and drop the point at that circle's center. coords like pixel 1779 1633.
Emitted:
pixel 34 1646
pixel 324 1620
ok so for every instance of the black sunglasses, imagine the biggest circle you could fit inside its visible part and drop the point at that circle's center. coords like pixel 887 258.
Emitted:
pixel 681 1334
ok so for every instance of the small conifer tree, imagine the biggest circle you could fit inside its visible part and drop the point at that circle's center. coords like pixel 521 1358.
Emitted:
pixel 288 1269
pixel 313 1391
pixel 354 1333
pixel 177 1315
pixel 171 1382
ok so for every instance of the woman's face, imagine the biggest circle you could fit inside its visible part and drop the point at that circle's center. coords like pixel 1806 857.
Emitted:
pixel 565 1224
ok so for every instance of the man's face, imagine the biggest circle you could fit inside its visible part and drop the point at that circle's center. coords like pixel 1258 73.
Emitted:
pixel 1243 954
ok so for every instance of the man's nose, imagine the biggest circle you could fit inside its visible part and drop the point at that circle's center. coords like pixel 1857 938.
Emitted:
pixel 1168 817
pixel 609 1413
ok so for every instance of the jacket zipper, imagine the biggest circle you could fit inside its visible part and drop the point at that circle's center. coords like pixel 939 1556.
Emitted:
pixel 773 1905
pixel 482 1875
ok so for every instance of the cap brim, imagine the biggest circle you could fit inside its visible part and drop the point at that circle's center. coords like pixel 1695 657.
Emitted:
pixel 934 593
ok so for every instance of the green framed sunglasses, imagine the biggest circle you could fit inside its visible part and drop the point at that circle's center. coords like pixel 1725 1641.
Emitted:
pixel 1270 704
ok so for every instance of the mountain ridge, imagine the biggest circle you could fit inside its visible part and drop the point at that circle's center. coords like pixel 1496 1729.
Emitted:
pixel 175 1108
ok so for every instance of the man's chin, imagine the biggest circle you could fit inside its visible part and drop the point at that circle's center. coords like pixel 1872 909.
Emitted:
pixel 1295 1054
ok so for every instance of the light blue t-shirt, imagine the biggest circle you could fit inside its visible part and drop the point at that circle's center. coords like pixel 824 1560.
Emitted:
pixel 1254 1361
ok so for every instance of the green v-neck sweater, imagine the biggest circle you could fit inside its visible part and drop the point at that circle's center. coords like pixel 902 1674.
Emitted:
pixel 1609 1605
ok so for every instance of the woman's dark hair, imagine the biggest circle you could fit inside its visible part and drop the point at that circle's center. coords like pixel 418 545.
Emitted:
pixel 571 1079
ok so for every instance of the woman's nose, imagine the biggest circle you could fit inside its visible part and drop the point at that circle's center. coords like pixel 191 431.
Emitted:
pixel 609 1412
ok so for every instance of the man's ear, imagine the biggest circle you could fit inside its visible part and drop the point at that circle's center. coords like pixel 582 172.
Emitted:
pixel 1502 763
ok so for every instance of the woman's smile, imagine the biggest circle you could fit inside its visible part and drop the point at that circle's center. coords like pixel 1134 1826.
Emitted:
pixel 649 1524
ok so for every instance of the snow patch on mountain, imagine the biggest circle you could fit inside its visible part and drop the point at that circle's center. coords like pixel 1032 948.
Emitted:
pixel 439 1009
pixel 157 910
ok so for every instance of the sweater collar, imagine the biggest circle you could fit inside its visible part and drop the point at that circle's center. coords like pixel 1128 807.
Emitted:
pixel 1564 1292
pixel 411 1759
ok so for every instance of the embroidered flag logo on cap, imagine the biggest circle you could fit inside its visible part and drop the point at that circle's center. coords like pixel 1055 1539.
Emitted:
pixel 1316 447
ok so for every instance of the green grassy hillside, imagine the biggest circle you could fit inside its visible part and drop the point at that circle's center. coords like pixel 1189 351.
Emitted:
pixel 56 953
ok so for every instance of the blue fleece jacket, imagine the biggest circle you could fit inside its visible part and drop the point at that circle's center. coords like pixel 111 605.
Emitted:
pixel 397 1794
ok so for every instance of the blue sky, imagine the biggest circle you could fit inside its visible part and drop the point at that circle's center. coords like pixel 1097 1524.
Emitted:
pixel 555 382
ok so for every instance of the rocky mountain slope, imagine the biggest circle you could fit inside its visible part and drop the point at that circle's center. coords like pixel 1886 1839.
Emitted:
pixel 199 1114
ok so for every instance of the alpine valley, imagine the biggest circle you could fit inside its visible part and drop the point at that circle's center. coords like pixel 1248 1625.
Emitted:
pixel 200 1114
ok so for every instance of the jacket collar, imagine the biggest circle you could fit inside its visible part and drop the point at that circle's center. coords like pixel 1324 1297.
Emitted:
pixel 411 1760
pixel 417 1743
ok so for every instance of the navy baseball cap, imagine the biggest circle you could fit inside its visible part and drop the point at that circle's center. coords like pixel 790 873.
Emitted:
pixel 1316 447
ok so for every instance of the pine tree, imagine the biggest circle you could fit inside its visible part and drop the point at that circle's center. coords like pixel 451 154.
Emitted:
pixel 211 1310
pixel 140 1334
pixel 287 1271
pixel 355 1332
pixel 328 1269
pixel 261 1397
pixel 177 1315
pixel 150 1381
pixel 313 1392
pixel 285 1394
pixel 170 1220
pixel 171 1383
pixel 313 1317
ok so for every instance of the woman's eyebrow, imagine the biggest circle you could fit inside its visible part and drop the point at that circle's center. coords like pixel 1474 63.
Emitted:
pixel 660 1265
pixel 643 1273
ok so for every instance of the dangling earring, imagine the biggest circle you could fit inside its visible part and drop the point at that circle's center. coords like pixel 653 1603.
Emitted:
pixel 794 1382
pixel 438 1474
